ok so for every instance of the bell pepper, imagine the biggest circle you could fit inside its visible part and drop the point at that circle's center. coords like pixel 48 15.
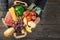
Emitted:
pixel 23 31
pixel 25 21
pixel 19 10
pixel 28 29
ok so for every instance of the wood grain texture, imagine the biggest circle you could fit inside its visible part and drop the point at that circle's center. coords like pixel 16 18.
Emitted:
pixel 49 27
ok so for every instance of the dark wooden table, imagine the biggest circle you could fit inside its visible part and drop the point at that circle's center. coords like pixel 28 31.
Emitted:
pixel 49 27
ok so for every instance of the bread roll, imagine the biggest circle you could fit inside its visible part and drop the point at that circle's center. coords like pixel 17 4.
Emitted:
pixel 9 32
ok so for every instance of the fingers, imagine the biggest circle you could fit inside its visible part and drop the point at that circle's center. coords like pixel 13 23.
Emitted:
pixel 33 24
pixel 37 20
pixel 3 20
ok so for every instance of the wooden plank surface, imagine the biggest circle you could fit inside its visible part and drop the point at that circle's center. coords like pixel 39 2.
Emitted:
pixel 49 27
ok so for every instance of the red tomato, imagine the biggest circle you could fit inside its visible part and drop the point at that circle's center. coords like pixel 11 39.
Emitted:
pixel 27 11
pixel 28 18
pixel 24 14
pixel 33 17
pixel 32 13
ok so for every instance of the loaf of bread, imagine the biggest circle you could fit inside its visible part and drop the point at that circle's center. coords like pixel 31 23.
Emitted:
pixel 9 32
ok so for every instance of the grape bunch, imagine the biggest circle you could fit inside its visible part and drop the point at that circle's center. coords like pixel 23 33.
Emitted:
pixel 18 24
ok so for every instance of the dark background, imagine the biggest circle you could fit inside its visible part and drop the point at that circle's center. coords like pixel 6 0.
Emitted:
pixel 47 29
